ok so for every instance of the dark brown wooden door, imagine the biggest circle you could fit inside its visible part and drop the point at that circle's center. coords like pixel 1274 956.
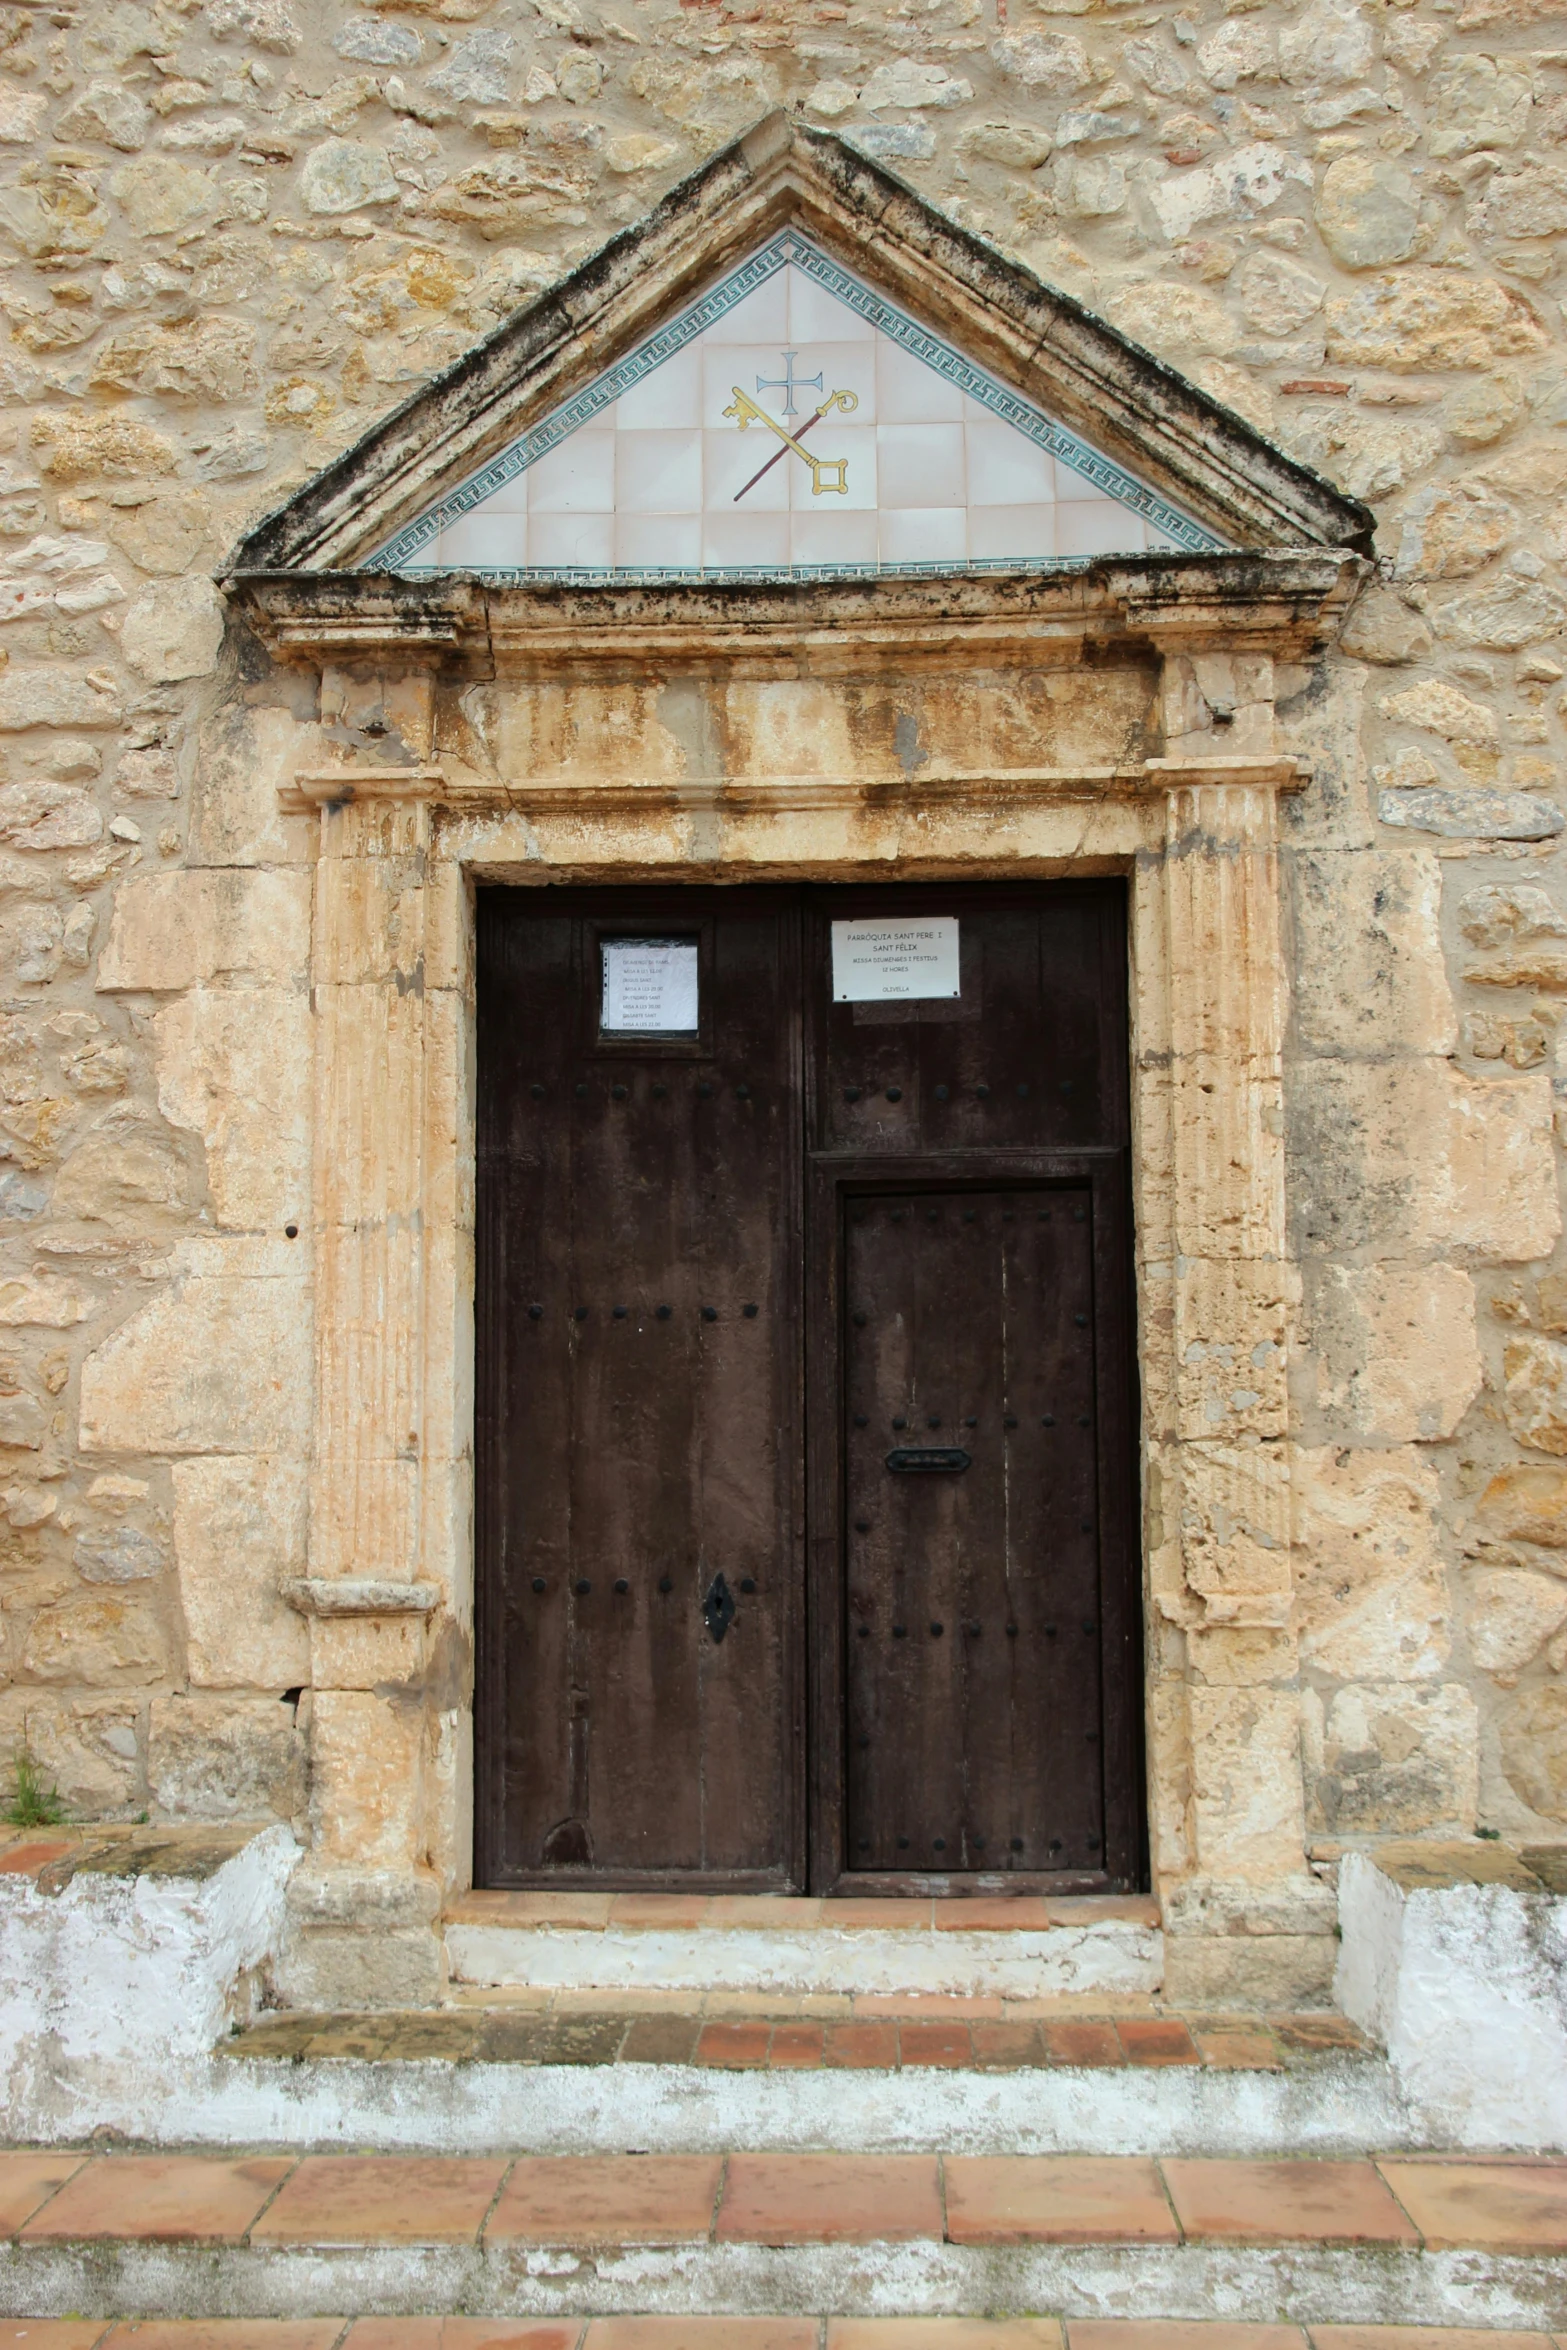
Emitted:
pixel 975 1706
pixel 684 1423
pixel 640 1452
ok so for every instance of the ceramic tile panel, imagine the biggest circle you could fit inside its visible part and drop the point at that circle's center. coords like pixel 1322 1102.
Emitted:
pixel 790 421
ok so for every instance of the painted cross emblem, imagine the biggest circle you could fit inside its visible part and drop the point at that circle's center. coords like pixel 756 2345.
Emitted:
pixel 787 383
pixel 827 473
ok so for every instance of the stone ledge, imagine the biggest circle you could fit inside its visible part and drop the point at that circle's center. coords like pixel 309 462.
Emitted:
pixel 360 1595
pixel 786 1913
pixel 54 1857
pixel 1418 1866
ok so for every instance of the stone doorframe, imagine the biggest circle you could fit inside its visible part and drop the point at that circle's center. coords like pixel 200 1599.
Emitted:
pixel 417 790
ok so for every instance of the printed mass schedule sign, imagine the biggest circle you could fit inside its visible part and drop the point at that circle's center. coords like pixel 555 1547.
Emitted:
pixel 650 987
pixel 882 962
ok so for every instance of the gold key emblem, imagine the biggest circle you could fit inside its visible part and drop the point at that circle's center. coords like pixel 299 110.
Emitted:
pixel 827 473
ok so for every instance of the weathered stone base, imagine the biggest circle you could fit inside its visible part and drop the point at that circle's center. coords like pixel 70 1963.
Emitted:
pixel 361 1940
pixel 1456 1957
pixel 1345 2284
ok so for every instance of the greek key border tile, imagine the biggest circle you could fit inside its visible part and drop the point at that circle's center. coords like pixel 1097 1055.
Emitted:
pixel 789 246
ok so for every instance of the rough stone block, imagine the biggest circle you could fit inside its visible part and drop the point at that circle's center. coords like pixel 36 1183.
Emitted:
pixel 176 930
pixel 1369 1580
pixel 1410 1157
pixel 1246 1789
pixel 366 1756
pixel 90 1748
pixel 1534 1401
pixel 99 1641
pixel 1392 1757
pixel 225 1758
pixel 213 1364
pixel 1396 1351
pixel 235 1067
pixel 239 1534
pixel 1534 1748
pixel 1384 987
pixel 1527 1503
pixel 1273 1973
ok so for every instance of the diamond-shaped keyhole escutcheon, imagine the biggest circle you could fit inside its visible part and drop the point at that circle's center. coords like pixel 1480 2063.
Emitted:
pixel 718 1608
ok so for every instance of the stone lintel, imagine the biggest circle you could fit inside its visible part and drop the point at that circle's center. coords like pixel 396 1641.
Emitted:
pixel 1287 604
pixel 360 1595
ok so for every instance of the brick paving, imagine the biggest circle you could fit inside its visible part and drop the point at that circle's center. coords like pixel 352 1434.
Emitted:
pixel 738 2333
pixel 1434 2202
pixel 877 2033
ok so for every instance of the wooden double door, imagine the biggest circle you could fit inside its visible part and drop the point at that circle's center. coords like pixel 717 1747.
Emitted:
pixel 807 1524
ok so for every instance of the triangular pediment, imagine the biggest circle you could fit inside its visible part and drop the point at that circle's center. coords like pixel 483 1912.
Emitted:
pixel 795 368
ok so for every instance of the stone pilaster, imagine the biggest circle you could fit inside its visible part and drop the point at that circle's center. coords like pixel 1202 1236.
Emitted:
pixel 365 1902
pixel 1246 1916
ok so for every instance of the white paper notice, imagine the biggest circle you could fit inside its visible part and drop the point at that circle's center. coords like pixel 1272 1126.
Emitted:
pixel 650 987
pixel 886 962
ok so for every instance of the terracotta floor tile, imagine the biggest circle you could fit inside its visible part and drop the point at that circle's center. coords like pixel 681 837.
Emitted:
pixel 1056 2199
pixel 893 1917
pixel 871 2045
pixel 51 2333
pixel 797 2044
pixel 927 2043
pixel 1086 2043
pixel 660 2039
pixel 1286 2202
pixel 943 2333
pixel 1153 2039
pixel 465 2333
pixel 1238 2050
pixel 647 1912
pixel 1422 2338
pixel 733 2044
pixel 162 2196
pixel 1496 2206
pixel 1024 1915
pixel 1099 1909
pixel 1318 2035
pixel 401 2198
pixel 1008 2045
pixel 607 2199
pixel 20 1860
pixel 702 2333
pixel 1165 2333
pixel 583 1910
pixel 226 2333
pixel 763 1913
pixel 29 2179
pixel 829 2199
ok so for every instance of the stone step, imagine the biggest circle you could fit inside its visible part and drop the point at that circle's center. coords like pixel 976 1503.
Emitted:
pixel 1420 2241
pixel 575 2072
pixel 1024 1948
pixel 740 2333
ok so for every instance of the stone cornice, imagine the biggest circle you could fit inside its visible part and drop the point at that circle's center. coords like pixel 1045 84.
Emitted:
pixel 1286 604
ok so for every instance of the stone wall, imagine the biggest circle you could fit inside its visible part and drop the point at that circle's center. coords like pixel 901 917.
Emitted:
pixel 234 234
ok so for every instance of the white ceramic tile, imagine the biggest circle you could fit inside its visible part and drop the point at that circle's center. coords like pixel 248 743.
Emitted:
pixel 909 392
pixel 576 478
pixel 667 397
pixel 666 539
pixel 761 317
pixel 730 459
pixel 740 538
pixel 1023 533
pixel 659 472
pixel 665 478
pixel 1004 467
pixel 1096 526
pixel 933 534
pixel 836 442
pixel 485 541
pixel 832 538
pixel 920 465
pixel 815 315
pixel 586 541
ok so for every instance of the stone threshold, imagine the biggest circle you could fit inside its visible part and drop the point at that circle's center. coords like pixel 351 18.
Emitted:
pixel 738 1913
pixel 863 2034
pixel 1031 1947
pixel 1422 2239
pixel 740 2333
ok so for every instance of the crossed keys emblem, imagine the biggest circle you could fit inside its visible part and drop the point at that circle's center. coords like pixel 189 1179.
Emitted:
pixel 827 473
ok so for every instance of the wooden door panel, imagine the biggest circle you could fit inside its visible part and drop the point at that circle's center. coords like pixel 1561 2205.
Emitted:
pixel 974 1697
pixel 639 1428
